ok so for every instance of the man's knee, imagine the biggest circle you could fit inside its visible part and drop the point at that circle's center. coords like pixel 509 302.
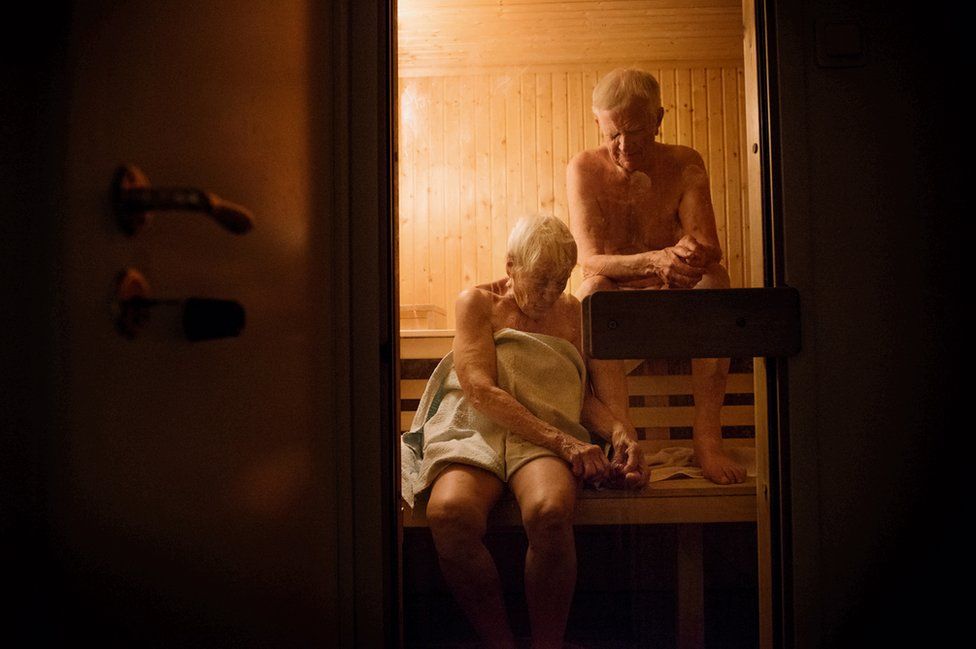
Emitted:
pixel 456 526
pixel 715 277
pixel 595 283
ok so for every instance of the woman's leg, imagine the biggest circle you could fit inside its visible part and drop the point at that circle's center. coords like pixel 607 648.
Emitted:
pixel 457 514
pixel 546 492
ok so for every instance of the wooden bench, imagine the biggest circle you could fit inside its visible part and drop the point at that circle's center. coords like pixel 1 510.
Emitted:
pixel 660 406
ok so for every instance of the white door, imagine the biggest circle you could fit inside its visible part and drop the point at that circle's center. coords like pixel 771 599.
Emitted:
pixel 194 496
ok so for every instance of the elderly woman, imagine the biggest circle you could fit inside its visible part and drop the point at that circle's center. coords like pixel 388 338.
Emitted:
pixel 505 407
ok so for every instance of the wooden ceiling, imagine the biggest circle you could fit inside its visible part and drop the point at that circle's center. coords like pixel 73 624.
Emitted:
pixel 440 37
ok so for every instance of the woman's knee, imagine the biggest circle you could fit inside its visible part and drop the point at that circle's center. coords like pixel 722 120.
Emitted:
pixel 456 525
pixel 549 520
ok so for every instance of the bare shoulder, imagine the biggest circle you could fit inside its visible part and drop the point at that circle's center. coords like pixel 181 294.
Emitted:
pixel 688 162
pixel 474 300
pixel 570 309
pixel 587 163
pixel 570 302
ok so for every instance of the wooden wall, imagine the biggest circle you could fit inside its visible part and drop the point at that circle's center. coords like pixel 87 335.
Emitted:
pixel 481 145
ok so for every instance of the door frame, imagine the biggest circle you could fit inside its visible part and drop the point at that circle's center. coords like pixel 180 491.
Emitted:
pixel 365 208
pixel 366 346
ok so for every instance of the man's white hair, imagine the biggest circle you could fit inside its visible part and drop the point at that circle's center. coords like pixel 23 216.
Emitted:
pixel 624 85
pixel 541 239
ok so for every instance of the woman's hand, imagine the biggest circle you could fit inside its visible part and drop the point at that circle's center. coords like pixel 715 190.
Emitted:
pixel 587 461
pixel 627 469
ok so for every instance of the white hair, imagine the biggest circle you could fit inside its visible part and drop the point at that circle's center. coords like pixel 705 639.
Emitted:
pixel 625 85
pixel 541 239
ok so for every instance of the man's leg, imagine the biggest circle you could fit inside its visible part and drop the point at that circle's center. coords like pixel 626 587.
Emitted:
pixel 708 376
pixel 608 378
pixel 546 492
pixel 457 514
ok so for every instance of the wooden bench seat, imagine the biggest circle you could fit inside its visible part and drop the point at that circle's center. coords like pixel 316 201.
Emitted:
pixel 675 501
pixel 660 405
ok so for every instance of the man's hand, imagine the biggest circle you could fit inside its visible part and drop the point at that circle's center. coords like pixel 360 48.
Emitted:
pixel 694 253
pixel 674 271
pixel 587 461
pixel 627 470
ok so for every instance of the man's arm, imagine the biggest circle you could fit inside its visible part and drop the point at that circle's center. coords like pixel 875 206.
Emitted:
pixel 589 224
pixel 700 246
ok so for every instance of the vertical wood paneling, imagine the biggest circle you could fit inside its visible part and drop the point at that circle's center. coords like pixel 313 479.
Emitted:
pixel 733 207
pixel 452 188
pixel 479 151
pixel 591 133
pixel 513 173
pixel 577 117
pixel 684 115
pixel 716 151
pixel 483 175
pixel 407 168
pixel 669 100
pixel 699 113
pixel 543 142
pixel 525 163
pixel 422 194
pixel 560 147
pixel 500 89
pixel 437 221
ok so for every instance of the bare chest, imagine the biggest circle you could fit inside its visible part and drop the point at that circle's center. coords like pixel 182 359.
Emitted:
pixel 507 315
pixel 639 212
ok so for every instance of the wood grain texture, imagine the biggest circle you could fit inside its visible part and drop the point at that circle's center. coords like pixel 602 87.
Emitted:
pixel 439 37
pixel 478 151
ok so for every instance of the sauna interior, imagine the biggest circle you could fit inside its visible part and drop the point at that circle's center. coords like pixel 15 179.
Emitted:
pixel 494 100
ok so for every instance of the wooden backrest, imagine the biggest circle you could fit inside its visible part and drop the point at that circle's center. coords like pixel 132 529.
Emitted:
pixel 661 403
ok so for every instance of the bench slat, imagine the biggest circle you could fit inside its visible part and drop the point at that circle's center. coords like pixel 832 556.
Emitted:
pixel 685 416
pixel 663 385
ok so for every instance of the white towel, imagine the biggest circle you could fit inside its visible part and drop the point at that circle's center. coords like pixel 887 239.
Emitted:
pixel 679 462
pixel 546 374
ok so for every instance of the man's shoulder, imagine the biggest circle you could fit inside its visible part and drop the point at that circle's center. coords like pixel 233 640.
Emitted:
pixel 681 156
pixel 589 161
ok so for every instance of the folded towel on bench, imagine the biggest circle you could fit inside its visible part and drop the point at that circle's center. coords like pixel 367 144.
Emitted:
pixel 678 462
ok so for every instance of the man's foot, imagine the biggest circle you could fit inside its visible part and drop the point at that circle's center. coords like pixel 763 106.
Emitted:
pixel 718 466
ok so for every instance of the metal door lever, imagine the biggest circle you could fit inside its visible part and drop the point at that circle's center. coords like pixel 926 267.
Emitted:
pixel 135 200
pixel 202 318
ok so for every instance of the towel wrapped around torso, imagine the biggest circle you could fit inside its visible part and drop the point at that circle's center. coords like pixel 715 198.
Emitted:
pixel 544 373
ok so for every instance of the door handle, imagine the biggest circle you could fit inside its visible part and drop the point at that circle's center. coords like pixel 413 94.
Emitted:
pixel 135 200
pixel 202 318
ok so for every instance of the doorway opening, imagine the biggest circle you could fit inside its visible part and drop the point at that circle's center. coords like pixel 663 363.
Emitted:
pixel 493 102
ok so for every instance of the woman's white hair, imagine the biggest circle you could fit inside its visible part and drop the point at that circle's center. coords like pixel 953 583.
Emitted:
pixel 541 239
pixel 624 85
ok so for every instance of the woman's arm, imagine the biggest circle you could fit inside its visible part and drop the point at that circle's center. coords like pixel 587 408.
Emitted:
pixel 627 468
pixel 474 362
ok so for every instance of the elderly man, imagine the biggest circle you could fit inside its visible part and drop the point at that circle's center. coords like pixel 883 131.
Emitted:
pixel 642 216
pixel 507 406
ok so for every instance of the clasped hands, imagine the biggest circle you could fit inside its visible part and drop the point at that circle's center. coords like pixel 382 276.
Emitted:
pixel 681 265
pixel 624 470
